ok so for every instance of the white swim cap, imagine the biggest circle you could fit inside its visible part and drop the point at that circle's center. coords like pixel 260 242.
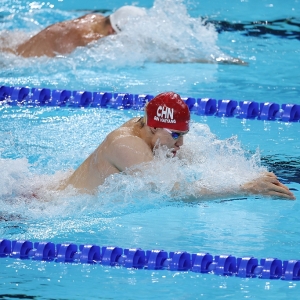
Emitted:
pixel 122 15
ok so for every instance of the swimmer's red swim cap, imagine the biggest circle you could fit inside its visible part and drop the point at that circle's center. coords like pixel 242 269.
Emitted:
pixel 167 110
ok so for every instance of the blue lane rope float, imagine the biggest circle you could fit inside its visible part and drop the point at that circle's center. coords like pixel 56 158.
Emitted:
pixel 17 96
pixel 222 265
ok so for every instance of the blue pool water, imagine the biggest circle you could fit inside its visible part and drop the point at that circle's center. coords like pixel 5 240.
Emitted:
pixel 39 147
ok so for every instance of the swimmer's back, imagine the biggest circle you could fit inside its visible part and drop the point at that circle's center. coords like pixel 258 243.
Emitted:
pixel 63 37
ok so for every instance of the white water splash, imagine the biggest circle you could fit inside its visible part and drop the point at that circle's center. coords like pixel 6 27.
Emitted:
pixel 203 162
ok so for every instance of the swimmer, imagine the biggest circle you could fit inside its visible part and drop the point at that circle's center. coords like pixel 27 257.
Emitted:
pixel 64 37
pixel 166 122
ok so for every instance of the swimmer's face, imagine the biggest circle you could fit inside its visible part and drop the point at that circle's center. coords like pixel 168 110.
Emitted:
pixel 173 139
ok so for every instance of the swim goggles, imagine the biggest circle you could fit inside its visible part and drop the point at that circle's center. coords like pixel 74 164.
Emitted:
pixel 176 135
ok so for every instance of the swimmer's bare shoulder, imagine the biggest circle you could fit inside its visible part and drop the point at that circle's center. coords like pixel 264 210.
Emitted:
pixel 121 149
pixel 126 148
pixel 63 37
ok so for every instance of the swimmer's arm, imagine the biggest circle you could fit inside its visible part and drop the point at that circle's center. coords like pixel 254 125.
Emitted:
pixel 219 60
pixel 175 52
pixel 267 185
pixel 9 50
pixel 222 60
pixel 130 151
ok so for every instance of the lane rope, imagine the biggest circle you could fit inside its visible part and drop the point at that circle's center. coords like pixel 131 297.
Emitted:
pixel 37 97
pixel 222 265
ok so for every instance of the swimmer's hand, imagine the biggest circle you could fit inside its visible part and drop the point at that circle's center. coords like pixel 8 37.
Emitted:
pixel 231 61
pixel 218 60
pixel 268 185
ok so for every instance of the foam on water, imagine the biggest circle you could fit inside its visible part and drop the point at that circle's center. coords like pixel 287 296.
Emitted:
pixel 214 164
